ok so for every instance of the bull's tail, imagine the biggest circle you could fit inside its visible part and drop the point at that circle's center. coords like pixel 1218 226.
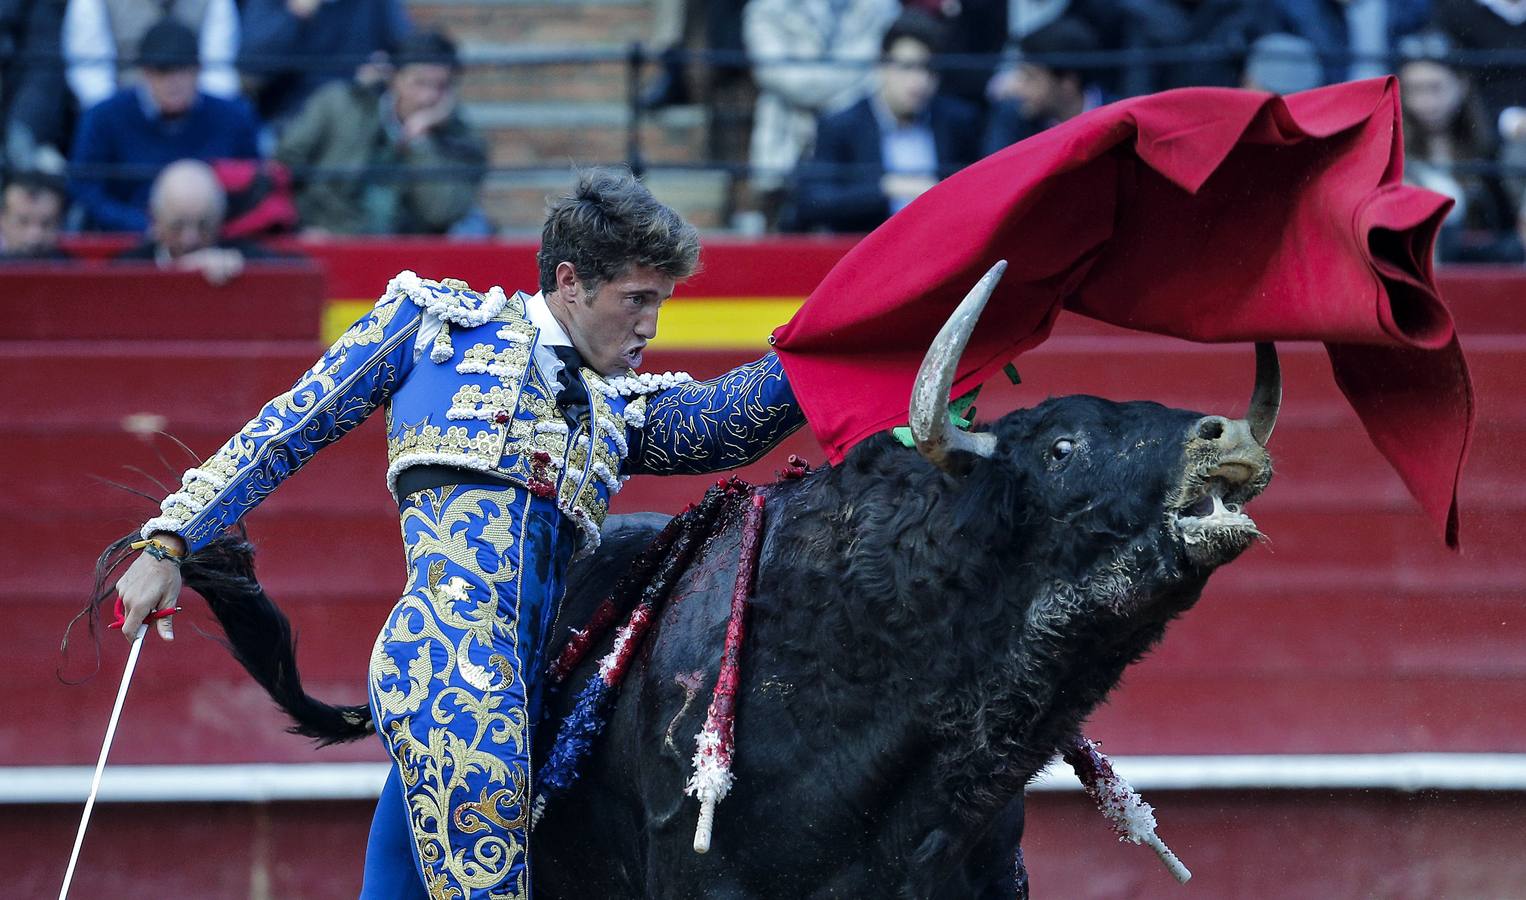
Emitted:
pixel 260 637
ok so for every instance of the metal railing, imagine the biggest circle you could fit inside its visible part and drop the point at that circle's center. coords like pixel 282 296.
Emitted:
pixel 729 116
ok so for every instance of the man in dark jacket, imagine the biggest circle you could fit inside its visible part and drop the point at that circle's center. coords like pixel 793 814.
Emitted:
pixel 401 161
pixel 125 141
pixel 1046 86
pixel 291 48
pixel 878 155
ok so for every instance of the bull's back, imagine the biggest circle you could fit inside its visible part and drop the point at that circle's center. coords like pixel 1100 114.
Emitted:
pixel 626 828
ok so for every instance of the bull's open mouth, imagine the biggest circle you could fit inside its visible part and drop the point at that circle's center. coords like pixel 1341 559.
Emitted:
pixel 1211 521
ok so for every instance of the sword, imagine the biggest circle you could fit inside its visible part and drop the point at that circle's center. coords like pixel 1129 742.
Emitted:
pixel 111 730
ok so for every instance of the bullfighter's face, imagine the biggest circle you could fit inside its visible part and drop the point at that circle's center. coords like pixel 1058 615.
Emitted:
pixel 611 324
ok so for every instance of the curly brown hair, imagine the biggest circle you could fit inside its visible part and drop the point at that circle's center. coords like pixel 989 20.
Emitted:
pixel 609 223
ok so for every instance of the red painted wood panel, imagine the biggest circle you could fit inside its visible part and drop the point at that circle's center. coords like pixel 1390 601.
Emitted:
pixel 138 302
pixel 1250 845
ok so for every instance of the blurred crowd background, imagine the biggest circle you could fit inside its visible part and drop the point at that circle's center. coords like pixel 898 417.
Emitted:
pixel 203 127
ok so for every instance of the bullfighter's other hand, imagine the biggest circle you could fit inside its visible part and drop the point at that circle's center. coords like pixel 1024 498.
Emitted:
pixel 148 585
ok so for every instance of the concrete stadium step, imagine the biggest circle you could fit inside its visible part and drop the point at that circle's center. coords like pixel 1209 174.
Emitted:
pixel 541 73
pixel 517 200
pixel 569 22
pixel 558 134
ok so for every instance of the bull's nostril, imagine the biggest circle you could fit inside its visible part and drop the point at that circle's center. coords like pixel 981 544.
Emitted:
pixel 1211 429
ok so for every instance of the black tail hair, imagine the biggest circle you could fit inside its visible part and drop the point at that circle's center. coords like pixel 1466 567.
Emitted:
pixel 257 633
pixel 260 637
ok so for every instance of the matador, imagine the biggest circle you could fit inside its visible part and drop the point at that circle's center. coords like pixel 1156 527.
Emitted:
pixel 511 421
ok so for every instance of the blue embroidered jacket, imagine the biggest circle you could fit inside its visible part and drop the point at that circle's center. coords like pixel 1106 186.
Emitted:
pixel 477 401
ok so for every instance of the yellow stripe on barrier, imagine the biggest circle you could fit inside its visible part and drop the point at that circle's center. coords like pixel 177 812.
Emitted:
pixel 688 323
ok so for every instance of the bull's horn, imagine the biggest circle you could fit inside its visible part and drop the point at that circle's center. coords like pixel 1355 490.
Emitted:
pixel 1267 398
pixel 935 437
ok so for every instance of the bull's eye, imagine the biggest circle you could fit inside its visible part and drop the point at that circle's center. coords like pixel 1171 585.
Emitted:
pixel 1062 448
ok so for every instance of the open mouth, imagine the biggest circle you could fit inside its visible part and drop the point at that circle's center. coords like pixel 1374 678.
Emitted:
pixel 1212 520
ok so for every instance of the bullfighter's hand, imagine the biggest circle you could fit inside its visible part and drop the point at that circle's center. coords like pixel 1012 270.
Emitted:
pixel 150 584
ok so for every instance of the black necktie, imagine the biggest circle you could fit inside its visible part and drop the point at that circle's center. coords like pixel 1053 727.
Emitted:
pixel 571 395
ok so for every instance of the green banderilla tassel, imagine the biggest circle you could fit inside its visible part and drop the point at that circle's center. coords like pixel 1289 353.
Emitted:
pixel 961 412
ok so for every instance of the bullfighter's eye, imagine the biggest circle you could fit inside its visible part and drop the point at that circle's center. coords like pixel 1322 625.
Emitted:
pixel 1062 448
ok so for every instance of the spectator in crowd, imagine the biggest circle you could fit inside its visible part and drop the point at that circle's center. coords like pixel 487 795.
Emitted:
pixel 672 22
pixel 31 210
pixel 37 111
pixel 1282 64
pixel 1223 29
pixel 1445 125
pixel 974 33
pixel 1039 91
pixel 294 47
pixel 1024 17
pixel 810 58
pixel 881 153
pixel 1497 25
pixel 1354 38
pixel 186 212
pixel 102 39
pixel 431 161
pixel 124 142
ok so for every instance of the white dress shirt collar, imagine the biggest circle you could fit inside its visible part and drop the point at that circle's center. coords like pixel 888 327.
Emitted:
pixel 551 331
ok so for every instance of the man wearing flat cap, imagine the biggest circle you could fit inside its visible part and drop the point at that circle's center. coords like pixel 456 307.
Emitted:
pixel 124 142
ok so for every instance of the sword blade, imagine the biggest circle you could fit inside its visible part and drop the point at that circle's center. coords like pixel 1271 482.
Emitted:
pixel 100 765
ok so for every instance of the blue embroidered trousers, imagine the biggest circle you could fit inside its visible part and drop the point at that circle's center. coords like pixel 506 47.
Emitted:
pixel 455 682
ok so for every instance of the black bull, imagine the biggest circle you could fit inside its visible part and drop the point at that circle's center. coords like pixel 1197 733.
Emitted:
pixel 928 628
pixel 920 642
pixel 919 645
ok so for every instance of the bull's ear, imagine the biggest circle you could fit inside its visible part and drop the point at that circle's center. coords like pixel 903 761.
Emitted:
pixel 991 498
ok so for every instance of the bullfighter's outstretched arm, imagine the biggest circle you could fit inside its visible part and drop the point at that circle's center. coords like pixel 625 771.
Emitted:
pixel 352 378
pixel 707 426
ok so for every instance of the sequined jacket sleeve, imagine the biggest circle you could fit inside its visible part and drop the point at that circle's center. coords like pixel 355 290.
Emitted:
pixel 353 377
pixel 707 426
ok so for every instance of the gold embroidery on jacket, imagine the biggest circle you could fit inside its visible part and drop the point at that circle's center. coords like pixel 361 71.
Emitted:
pixel 471 785
pixel 290 413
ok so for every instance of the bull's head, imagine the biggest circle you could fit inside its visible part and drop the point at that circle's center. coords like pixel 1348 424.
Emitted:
pixel 1211 465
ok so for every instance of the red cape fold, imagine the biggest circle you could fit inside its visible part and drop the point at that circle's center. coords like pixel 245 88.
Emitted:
pixel 1205 213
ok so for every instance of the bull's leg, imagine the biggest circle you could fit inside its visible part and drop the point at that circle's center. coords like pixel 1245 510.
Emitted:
pixel 453 680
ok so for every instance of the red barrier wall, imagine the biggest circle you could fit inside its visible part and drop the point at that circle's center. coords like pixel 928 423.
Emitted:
pixel 1351 630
